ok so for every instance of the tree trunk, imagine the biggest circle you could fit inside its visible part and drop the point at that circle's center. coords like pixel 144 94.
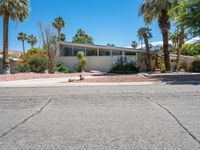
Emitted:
pixel 164 24
pixel 6 62
pixel 23 47
pixel 148 53
pixel 181 42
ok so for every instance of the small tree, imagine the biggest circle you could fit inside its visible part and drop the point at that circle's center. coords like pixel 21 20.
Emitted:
pixel 82 60
pixel 50 44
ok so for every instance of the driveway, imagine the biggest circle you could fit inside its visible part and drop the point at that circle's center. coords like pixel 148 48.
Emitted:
pixel 152 117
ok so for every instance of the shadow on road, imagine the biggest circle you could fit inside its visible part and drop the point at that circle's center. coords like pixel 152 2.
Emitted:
pixel 193 79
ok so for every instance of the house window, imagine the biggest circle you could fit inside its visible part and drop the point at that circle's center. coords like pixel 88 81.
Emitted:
pixel 129 53
pixel 116 53
pixel 104 52
pixel 91 52
pixel 77 49
pixel 66 51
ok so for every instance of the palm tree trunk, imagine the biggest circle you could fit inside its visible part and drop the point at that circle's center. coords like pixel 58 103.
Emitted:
pixel 166 51
pixel 6 62
pixel 164 24
pixel 181 42
pixel 59 35
pixel 148 53
pixel 23 47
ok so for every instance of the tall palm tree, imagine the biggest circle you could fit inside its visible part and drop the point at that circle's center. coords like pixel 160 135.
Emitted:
pixel 22 37
pixel 158 10
pixel 145 33
pixel 58 24
pixel 32 40
pixel 17 10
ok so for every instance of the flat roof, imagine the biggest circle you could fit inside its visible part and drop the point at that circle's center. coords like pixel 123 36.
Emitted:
pixel 100 47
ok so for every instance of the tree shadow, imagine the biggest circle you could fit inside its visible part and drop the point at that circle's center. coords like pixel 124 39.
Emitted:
pixel 192 79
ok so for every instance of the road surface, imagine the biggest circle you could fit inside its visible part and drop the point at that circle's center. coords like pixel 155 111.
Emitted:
pixel 152 117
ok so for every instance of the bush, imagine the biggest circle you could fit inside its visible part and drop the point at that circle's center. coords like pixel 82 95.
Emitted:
pixel 35 60
pixel 160 65
pixel 183 65
pixel 122 68
pixel 196 66
pixel 61 68
pixel 190 49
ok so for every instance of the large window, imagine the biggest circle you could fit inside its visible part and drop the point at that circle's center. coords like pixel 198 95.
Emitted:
pixel 129 53
pixel 66 51
pixel 104 52
pixel 91 52
pixel 116 53
pixel 77 49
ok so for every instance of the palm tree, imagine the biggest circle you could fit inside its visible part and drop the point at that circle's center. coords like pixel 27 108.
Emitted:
pixel 22 37
pixel 158 10
pixel 58 24
pixel 32 40
pixel 17 10
pixel 62 37
pixel 178 40
pixel 145 33
pixel 82 37
pixel 134 45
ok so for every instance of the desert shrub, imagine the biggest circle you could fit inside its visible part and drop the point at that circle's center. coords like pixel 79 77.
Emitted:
pixel 61 68
pixel 196 66
pixel 183 65
pixel 124 68
pixel 190 49
pixel 35 60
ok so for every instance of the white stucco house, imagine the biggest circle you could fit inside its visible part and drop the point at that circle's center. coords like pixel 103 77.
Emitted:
pixel 100 58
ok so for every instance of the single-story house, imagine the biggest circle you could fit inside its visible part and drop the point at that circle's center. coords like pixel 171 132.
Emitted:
pixel 100 58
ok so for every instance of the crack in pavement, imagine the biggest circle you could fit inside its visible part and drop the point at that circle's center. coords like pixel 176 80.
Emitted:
pixel 176 119
pixel 26 119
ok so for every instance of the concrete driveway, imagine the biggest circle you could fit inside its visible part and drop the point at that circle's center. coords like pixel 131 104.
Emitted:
pixel 152 117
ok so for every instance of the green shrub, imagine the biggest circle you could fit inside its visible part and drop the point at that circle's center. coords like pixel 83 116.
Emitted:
pixel 122 68
pixel 61 68
pixel 196 66
pixel 35 60
pixel 160 65
pixel 190 49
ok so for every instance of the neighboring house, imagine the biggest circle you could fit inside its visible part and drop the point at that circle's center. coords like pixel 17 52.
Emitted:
pixel 100 58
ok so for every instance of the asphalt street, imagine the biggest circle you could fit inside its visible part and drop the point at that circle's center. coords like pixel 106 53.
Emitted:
pixel 148 117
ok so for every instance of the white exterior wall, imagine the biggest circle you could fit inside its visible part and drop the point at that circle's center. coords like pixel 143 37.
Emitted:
pixel 98 63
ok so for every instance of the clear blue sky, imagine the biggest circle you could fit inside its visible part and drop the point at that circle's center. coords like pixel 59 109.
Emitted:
pixel 108 21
